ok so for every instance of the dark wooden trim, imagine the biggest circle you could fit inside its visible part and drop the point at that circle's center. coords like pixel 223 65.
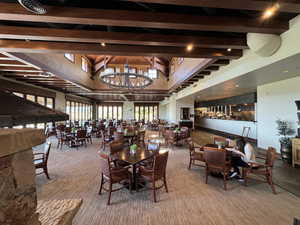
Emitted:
pixel 285 5
pixel 26 89
pixel 88 36
pixel 82 48
pixel 91 16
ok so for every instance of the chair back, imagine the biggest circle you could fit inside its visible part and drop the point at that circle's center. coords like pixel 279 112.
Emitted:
pixel 116 146
pixel 68 130
pixel 105 164
pixel 47 148
pixel 160 164
pixel 191 146
pixel 81 134
pixel 270 157
pixel 118 136
pixel 141 135
pixel 215 158
pixel 153 146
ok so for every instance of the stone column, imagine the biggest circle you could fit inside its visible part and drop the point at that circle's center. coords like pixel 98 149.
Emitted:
pixel 18 200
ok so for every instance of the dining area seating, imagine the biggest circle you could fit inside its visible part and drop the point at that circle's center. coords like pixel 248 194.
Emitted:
pixel 133 168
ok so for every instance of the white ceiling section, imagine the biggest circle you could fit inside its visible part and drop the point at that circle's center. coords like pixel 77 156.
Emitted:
pixel 251 70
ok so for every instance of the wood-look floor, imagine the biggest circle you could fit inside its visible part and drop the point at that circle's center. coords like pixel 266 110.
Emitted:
pixel 75 174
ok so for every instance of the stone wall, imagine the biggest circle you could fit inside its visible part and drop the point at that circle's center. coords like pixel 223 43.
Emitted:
pixel 18 200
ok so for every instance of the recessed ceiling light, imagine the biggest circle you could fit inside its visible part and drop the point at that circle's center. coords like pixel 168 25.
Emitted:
pixel 103 44
pixel 228 49
pixel 269 12
pixel 189 47
pixel 237 85
pixel 25 75
pixel 285 71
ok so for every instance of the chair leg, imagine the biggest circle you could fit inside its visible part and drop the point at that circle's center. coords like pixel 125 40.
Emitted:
pixel 225 181
pixel 270 181
pixel 58 144
pixel 190 164
pixel 101 185
pixel 165 183
pixel 46 172
pixel 109 194
pixel 206 175
pixel 154 191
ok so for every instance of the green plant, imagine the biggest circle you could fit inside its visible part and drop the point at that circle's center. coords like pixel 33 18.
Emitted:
pixel 285 131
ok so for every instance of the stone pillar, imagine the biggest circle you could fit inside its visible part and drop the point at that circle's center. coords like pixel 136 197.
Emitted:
pixel 18 200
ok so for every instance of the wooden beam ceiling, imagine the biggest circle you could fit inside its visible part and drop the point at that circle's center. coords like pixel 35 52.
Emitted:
pixel 80 48
pixel 257 5
pixel 87 36
pixel 91 16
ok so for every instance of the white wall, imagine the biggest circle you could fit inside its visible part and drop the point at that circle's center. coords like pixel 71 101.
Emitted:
pixel 128 111
pixel 163 112
pixel 276 101
pixel 60 101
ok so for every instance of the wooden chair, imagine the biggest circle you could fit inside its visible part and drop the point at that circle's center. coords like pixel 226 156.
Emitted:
pixel 264 169
pixel 170 137
pixel 115 147
pixel 62 139
pixel 119 136
pixel 195 155
pixel 41 159
pixel 81 137
pixel 105 140
pixel 156 173
pixel 112 176
pixel 140 138
pixel 215 160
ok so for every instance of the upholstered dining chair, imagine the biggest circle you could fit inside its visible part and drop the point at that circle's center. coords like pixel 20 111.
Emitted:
pixel 195 155
pixel 41 159
pixel 264 169
pixel 112 175
pixel 215 160
pixel 156 173
pixel 115 147
pixel 81 137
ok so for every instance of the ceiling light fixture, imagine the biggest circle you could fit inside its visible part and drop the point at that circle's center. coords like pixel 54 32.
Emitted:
pixel 237 85
pixel 103 44
pixel 189 47
pixel 228 49
pixel 269 12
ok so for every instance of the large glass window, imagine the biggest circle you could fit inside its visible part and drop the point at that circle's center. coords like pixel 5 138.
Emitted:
pixel 30 98
pixel 70 57
pixel 110 111
pixel 41 100
pixel 146 111
pixel 78 111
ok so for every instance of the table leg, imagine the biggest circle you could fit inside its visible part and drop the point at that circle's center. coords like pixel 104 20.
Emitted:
pixel 134 177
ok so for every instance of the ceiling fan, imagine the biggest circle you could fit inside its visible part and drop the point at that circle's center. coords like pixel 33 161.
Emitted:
pixel 33 6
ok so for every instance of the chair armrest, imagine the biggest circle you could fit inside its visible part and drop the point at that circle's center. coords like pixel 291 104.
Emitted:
pixel 145 170
pixel 254 165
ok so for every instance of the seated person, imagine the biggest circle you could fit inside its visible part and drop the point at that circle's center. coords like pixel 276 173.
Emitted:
pixel 242 154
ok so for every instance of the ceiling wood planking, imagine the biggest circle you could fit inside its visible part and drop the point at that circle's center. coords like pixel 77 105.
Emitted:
pixel 80 48
pixel 260 5
pixel 221 62
pixel 123 18
pixel 86 36
pixel 12 63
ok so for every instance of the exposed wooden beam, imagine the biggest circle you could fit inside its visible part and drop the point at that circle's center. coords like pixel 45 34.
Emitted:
pixel 260 5
pixel 12 63
pixel 205 73
pixel 129 50
pixel 211 68
pixel 98 66
pixel 86 36
pixel 221 62
pixel 70 15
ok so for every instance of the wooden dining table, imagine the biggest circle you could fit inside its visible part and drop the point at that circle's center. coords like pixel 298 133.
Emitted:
pixel 139 156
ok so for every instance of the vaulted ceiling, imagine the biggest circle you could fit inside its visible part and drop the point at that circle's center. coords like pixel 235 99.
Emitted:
pixel 155 30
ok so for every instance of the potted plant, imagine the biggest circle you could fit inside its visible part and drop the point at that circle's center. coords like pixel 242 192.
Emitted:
pixel 285 131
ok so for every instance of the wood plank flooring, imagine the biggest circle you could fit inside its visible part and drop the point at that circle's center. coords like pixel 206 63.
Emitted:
pixel 75 174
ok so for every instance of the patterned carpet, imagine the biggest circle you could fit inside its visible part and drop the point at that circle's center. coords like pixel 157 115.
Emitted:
pixel 75 174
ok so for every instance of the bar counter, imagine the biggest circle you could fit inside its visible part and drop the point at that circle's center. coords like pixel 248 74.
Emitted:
pixel 228 126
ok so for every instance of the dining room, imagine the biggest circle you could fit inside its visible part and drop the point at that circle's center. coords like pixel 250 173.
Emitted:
pixel 149 112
